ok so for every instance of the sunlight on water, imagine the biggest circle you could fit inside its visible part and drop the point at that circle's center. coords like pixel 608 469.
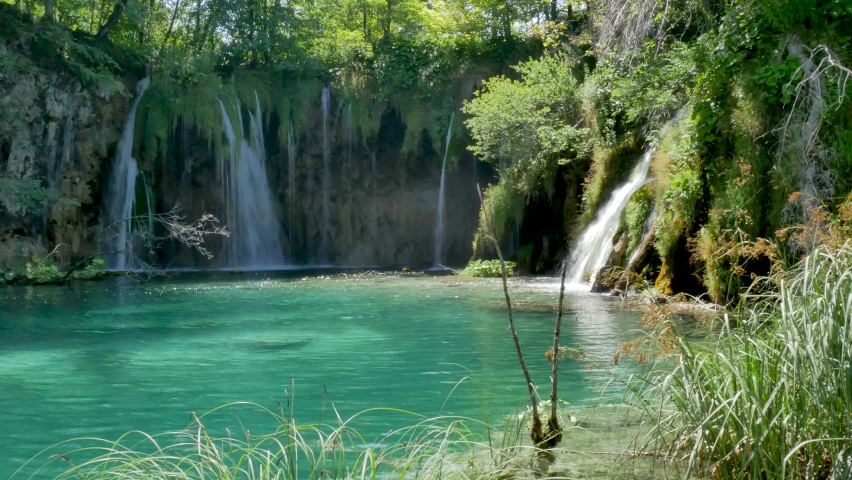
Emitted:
pixel 99 359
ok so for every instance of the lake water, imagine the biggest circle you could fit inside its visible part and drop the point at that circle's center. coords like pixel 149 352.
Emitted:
pixel 98 359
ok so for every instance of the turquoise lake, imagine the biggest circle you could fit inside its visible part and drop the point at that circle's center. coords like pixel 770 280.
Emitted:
pixel 98 359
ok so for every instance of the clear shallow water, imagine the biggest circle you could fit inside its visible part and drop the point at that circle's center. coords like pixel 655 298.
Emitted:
pixel 98 359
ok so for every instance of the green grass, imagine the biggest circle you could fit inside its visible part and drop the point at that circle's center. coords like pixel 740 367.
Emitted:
pixel 597 444
pixel 773 398
pixel 429 447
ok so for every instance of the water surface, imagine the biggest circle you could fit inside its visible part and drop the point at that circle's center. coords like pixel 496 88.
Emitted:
pixel 98 359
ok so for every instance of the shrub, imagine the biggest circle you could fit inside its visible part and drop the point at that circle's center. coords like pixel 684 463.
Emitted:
pixel 42 270
pixel 488 268
pixel 93 271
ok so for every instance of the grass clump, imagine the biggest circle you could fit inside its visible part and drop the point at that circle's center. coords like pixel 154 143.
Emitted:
pixel 487 268
pixel 773 399
pixel 430 448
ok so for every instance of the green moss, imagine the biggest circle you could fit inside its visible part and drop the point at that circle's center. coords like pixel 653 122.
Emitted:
pixel 635 214
pixel 676 206
pixel 609 164
pixel 505 206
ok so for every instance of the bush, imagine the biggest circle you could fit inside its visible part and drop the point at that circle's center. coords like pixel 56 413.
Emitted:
pixel 43 270
pixel 488 268
pixel 93 270
pixel 9 275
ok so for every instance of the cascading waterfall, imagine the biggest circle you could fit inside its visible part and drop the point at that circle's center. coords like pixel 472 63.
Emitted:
pixel 439 222
pixel 326 176
pixel 122 189
pixel 255 234
pixel 291 187
pixel 592 249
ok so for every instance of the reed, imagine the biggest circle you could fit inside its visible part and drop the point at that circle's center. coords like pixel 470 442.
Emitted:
pixel 429 448
pixel 773 397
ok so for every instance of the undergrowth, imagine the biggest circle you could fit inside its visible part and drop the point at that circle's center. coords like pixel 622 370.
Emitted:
pixel 773 398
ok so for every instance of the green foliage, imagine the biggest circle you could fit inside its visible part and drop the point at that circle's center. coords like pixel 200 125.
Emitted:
pixel 43 270
pixel 93 271
pixel 682 187
pixel 641 98
pixel 635 214
pixel 505 206
pixel 770 399
pixel 487 268
pixel 527 127
pixel 10 275
pixel 33 46
pixel 26 196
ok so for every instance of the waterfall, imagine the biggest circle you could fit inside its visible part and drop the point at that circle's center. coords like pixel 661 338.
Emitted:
pixel 148 203
pixel 255 234
pixel 592 249
pixel 326 176
pixel 439 222
pixel 122 188
pixel 346 207
pixel 291 187
pixel 374 210
pixel 310 224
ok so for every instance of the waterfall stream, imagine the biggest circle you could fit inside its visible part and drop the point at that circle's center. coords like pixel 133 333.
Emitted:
pixel 326 177
pixel 291 186
pixel 592 249
pixel 122 189
pixel 439 221
pixel 347 207
pixel 255 233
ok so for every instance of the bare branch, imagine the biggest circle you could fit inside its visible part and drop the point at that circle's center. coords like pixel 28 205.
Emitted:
pixel 799 131
pixel 536 432
pixel 174 227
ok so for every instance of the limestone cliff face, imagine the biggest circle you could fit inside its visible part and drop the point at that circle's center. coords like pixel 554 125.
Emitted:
pixel 382 202
pixel 54 130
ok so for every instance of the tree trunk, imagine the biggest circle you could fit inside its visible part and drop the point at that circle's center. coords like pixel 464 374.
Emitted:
pixel 113 19
pixel 641 252
pixel 366 32
pixel 553 434
pixel 48 10
pixel 536 433
pixel 171 25
pixel 387 22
